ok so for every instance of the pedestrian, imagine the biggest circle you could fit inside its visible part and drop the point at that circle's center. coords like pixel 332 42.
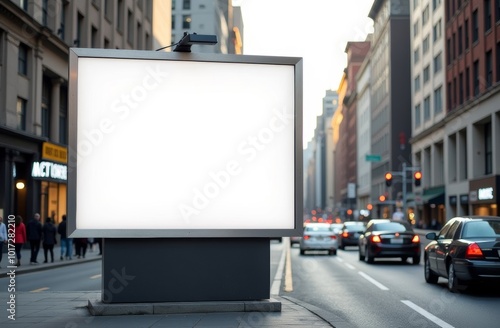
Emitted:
pixel 34 233
pixel 66 243
pixel 3 236
pixel 398 215
pixel 49 233
pixel 99 243
pixel 19 237
pixel 81 247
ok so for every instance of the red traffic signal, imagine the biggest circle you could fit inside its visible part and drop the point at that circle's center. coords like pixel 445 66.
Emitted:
pixel 417 176
pixel 388 179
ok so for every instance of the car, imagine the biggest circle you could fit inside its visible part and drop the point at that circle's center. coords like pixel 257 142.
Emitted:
pixel 389 238
pixel 295 240
pixel 349 233
pixel 336 227
pixel 318 237
pixel 465 251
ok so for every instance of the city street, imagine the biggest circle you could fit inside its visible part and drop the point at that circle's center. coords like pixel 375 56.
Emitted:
pixel 388 293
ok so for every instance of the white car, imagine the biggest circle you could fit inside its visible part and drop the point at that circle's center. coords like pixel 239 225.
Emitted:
pixel 319 237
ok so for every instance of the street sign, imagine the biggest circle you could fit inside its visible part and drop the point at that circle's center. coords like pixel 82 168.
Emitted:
pixel 373 158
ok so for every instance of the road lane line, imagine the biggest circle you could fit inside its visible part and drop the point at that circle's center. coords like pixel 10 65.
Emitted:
pixel 39 290
pixel 428 315
pixel 373 281
pixel 339 259
pixel 288 270
pixel 275 288
pixel 97 276
pixel 350 266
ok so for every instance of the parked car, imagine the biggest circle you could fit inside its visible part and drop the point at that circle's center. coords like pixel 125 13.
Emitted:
pixel 349 233
pixel 465 251
pixel 319 237
pixel 389 238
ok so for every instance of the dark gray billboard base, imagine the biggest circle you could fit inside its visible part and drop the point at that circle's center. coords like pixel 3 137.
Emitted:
pixel 98 308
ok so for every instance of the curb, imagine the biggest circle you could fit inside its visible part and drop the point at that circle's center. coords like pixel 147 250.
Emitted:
pixel 44 266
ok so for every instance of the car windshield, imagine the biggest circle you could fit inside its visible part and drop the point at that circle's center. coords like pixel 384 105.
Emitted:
pixel 390 226
pixel 476 229
pixel 354 227
pixel 322 228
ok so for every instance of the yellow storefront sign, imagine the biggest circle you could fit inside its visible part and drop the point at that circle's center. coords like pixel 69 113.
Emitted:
pixel 54 152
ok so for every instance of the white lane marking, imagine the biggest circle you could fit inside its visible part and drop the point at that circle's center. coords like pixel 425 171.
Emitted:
pixel 96 276
pixel 339 259
pixel 39 290
pixel 288 270
pixel 428 315
pixel 275 288
pixel 373 281
pixel 350 266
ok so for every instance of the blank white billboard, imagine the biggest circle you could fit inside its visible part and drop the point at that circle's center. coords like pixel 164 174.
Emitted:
pixel 184 145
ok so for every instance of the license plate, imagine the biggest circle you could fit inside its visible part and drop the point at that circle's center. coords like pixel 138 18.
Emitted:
pixel 319 238
pixel 356 235
pixel 396 241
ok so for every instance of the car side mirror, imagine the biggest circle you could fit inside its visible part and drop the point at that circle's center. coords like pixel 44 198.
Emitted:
pixel 431 236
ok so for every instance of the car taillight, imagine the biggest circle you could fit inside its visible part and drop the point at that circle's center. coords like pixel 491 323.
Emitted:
pixel 416 239
pixel 473 251
pixel 376 239
pixel 306 237
pixel 333 237
pixel 345 234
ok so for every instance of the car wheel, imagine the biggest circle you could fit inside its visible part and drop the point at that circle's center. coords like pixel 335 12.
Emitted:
pixel 453 281
pixel 334 252
pixel 368 258
pixel 404 259
pixel 341 246
pixel 302 252
pixel 416 260
pixel 430 276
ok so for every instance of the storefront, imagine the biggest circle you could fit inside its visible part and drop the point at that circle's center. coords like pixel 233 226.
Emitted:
pixel 483 195
pixel 52 173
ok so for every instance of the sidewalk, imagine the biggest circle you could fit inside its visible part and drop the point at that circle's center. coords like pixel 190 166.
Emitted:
pixel 71 309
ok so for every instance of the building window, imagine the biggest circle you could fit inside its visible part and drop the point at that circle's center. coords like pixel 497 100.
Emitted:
pixel 415 4
pixel 186 4
pixel 460 43
pixel 467 83
pixel 139 36
pixel 173 22
pixel 498 62
pixel 427 108
pixel 448 98
pixel 448 51
pixel 94 38
pixel 487 15
pixel 22 60
pixel 489 69
pixel 417 83
pixel 425 45
pixel 435 4
pixel 63 115
pixel 425 15
pixel 475 26
pixel 488 149
pixel 46 105
pixel 461 88
pixel 186 21
pixel 119 16
pixel 436 31
pixel 79 31
pixel 416 28
pixel 437 63
pixel 130 28
pixel 417 116
pixel 426 74
pixel 438 101
pixel 21 114
pixel 24 5
pixel 45 8
pixel 475 72
pixel 416 55
pixel 466 33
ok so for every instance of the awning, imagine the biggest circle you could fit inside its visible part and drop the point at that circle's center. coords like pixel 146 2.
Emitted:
pixel 434 195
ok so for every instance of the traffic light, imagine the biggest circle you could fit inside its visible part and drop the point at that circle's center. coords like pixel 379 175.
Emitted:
pixel 388 179
pixel 418 178
pixel 382 198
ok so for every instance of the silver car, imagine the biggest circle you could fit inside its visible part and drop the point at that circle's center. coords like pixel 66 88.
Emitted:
pixel 319 237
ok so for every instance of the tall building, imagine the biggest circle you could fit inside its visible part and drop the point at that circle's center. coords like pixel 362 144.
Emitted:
pixel 390 97
pixel 213 17
pixel 330 103
pixel 428 109
pixel 472 123
pixel 35 37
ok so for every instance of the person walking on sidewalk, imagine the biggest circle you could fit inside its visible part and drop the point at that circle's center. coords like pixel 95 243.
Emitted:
pixel 49 239
pixel 3 237
pixel 66 243
pixel 19 237
pixel 34 232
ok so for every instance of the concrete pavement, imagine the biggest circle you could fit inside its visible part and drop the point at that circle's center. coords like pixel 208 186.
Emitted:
pixel 71 309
